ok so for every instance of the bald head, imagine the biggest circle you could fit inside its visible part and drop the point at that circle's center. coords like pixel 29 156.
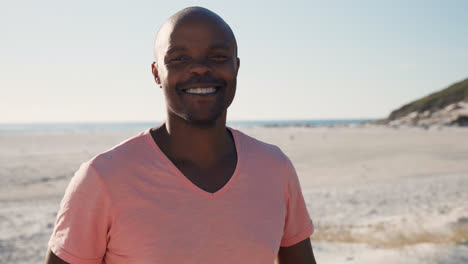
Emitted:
pixel 190 15
pixel 196 66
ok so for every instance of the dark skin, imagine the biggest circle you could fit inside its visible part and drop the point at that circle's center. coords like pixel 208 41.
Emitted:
pixel 300 253
pixel 51 258
pixel 196 49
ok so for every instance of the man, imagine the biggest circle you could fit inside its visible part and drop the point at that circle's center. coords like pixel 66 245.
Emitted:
pixel 191 190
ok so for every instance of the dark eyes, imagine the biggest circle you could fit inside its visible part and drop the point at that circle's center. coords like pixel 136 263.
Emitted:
pixel 219 58
pixel 215 58
pixel 179 58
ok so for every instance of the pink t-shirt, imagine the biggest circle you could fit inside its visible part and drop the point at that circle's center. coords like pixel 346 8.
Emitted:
pixel 131 204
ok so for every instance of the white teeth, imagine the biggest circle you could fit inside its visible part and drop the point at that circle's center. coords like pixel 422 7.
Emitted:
pixel 201 90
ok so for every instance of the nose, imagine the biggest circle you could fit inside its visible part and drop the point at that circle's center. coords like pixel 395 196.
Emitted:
pixel 200 67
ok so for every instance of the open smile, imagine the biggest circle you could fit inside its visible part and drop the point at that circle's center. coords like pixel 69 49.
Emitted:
pixel 202 91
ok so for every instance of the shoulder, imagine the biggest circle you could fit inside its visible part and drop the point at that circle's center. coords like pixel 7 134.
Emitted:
pixel 267 159
pixel 255 149
pixel 123 155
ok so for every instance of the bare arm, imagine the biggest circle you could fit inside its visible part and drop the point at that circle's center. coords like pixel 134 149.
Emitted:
pixel 300 253
pixel 51 258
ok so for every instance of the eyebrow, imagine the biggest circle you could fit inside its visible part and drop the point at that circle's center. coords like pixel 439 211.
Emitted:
pixel 217 45
pixel 173 49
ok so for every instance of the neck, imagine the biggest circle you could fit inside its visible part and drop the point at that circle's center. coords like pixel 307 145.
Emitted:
pixel 201 144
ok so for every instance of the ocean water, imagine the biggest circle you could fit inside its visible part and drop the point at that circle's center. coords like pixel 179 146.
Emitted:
pixel 26 128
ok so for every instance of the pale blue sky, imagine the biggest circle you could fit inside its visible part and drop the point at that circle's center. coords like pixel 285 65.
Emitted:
pixel 90 60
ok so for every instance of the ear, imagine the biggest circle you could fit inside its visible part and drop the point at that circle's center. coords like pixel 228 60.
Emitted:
pixel 154 70
pixel 238 65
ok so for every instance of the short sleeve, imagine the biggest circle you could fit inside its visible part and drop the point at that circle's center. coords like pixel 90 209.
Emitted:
pixel 298 225
pixel 83 221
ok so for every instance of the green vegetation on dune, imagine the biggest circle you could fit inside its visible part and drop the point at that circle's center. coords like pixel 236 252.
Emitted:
pixel 454 93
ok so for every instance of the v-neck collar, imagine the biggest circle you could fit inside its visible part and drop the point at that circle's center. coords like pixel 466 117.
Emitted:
pixel 190 184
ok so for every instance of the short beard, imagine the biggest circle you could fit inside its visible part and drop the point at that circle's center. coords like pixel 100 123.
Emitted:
pixel 206 123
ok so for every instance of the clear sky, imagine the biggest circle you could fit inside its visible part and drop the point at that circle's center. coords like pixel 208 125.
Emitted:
pixel 89 60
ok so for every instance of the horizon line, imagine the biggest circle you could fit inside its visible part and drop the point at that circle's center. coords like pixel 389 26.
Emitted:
pixel 159 121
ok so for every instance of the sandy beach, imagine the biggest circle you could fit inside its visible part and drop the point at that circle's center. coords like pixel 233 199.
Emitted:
pixel 394 195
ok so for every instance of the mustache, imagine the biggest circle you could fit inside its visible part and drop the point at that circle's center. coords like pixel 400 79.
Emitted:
pixel 205 79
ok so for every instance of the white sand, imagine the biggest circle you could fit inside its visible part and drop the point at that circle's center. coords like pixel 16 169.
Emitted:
pixel 374 193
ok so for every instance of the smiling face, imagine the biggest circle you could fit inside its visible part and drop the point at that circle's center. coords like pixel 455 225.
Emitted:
pixel 196 65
